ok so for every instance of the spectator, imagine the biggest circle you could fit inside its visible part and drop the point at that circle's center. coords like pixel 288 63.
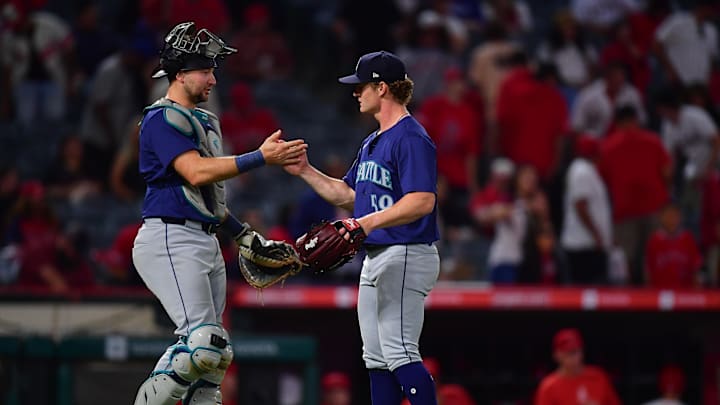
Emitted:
pixel 70 177
pixel 457 32
pixel 512 221
pixel 513 14
pixel 600 15
pixel 126 182
pixel 574 382
pixel 687 43
pixel 567 48
pixel 636 169
pixel 453 125
pixel 592 112
pixel 623 49
pixel 587 227
pixel 116 265
pixel 428 55
pixel 537 138
pixel 447 394
pixel 690 135
pixel 263 52
pixel 487 73
pixel 245 124
pixel 672 258
pixel 117 95
pixel 497 190
pixel 164 14
pixel 94 41
pixel 34 55
pixel 671 383
pixel 49 258
pixel 336 389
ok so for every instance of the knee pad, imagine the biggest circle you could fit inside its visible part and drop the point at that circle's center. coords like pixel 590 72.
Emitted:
pixel 161 389
pixel 216 375
pixel 207 352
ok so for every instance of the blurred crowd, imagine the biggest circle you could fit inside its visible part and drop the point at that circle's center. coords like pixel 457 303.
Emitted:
pixel 577 139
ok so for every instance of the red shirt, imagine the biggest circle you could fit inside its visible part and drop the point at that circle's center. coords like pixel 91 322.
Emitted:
pixel 672 260
pixel 591 386
pixel 632 163
pixel 532 116
pixel 246 131
pixel 637 63
pixel 455 129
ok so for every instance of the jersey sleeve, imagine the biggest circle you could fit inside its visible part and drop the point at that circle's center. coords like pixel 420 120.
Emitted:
pixel 416 159
pixel 166 141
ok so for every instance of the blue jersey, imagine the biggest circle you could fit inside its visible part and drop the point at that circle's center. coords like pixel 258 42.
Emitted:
pixel 401 160
pixel 160 144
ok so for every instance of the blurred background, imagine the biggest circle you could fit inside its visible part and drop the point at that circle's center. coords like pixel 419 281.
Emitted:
pixel 553 120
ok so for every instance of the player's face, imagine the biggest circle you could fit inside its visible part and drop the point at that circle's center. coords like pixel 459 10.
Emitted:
pixel 198 84
pixel 368 98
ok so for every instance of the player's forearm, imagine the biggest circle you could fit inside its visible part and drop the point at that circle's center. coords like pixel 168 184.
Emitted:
pixel 410 208
pixel 335 191
pixel 199 171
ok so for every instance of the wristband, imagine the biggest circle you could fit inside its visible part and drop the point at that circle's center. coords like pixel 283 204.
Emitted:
pixel 249 161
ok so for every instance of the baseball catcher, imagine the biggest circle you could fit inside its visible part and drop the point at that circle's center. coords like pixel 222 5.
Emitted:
pixel 329 245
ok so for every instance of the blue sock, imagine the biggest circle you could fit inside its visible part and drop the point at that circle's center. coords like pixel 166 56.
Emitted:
pixel 417 384
pixel 384 388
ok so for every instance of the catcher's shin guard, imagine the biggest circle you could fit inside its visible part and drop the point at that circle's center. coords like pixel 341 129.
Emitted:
pixel 161 389
pixel 203 393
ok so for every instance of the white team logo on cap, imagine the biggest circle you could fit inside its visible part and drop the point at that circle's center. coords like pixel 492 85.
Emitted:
pixel 375 75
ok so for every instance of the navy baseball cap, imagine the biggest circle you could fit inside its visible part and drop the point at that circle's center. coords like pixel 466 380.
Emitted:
pixel 378 66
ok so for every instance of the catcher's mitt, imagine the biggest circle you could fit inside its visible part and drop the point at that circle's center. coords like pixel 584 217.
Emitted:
pixel 323 248
pixel 265 262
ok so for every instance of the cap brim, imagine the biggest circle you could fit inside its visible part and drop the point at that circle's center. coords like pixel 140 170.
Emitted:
pixel 351 79
pixel 159 73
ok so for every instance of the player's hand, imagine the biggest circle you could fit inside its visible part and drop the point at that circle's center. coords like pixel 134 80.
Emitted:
pixel 276 151
pixel 297 168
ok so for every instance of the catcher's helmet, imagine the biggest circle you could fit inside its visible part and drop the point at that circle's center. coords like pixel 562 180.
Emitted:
pixel 188 49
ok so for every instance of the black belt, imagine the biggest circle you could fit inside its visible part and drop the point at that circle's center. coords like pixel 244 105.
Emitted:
pixel 207 227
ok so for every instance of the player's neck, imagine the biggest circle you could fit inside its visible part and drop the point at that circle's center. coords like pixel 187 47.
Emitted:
pixel 180 97
pixel 391 115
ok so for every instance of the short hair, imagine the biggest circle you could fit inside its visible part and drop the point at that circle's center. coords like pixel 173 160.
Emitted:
pixel 402 90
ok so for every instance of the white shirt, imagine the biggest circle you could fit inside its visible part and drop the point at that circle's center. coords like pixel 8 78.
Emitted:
pixel 506 248
pixel 692 134
pixel 602 13
pixel 689 52
pixel 571 62
pixel 584 182
pixel 592 112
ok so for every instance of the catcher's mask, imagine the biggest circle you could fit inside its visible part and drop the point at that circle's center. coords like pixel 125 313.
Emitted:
pixel 185 49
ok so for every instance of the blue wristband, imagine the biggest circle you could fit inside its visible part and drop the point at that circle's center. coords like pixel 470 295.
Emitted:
pixel 249 161
pixel 233 226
